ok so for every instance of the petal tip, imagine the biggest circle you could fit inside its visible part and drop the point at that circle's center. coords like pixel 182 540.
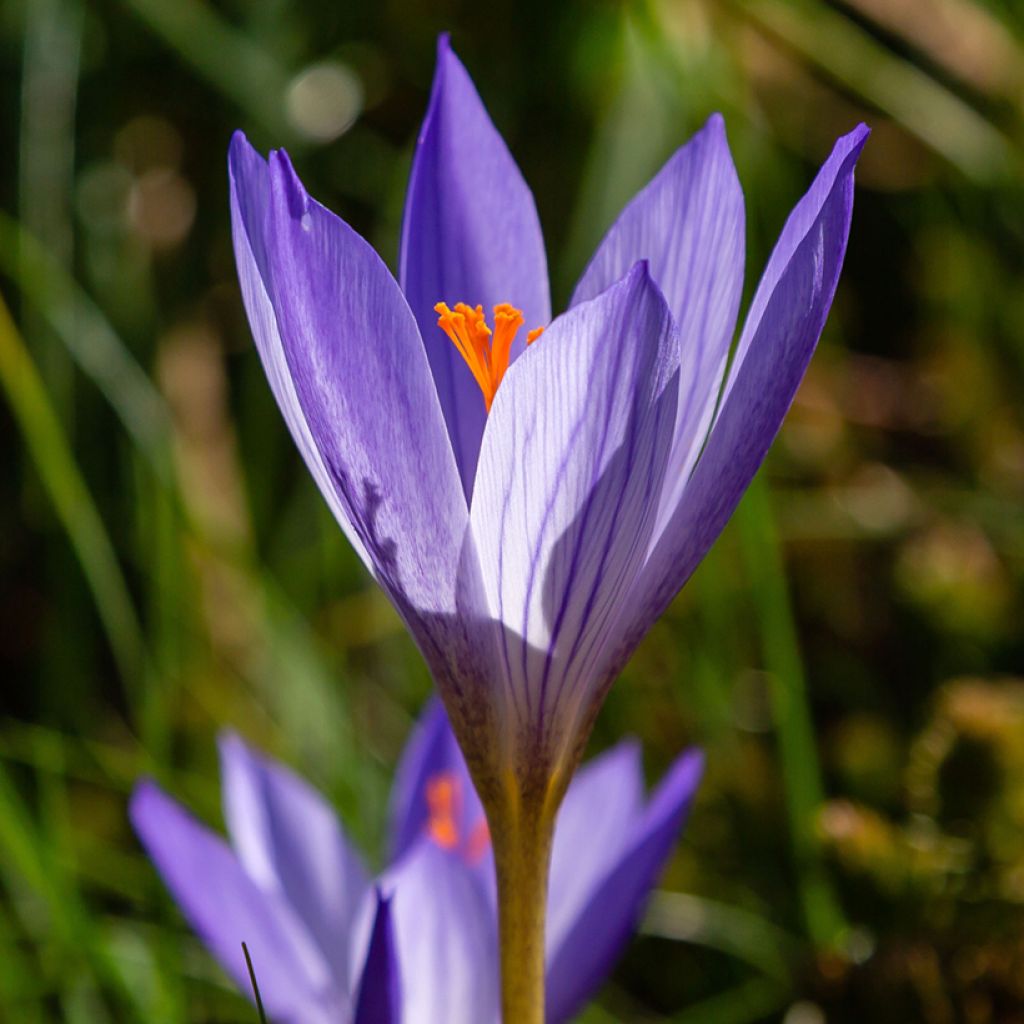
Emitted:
pixel 715 124
pixel 147 802
pixel 230 745
pixel 285 182
pixel 239 141
pixel 243 158
pixel 851 144
pixel 142 793
pixel 447 59
pixel 640 273
pixel 629 758
pixel 642 278
pixel 692 763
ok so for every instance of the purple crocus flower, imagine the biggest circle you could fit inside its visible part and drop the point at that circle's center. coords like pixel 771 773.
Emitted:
pixel 419 945
pixel 531 509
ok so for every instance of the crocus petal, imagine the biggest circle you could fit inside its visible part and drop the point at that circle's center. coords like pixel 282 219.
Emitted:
pixel 689 224
pixel 782 330
pixel 425 754
pixel 250 189
pixel 579 963
pixel 432 751
pixel 570 467
pixel 378 999
pixel 447 940
pixel 470 234
pixel 595 822
pixel 226 908
pixel 344 358
pixel 289 840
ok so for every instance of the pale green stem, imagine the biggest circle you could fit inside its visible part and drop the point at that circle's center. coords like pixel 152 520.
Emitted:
pixel 522 854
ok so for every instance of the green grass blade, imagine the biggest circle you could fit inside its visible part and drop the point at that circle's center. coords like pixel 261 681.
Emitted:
pixel 90 340
pixel 926 108
pixel 234 64
pixel 801 771
pixel 51 453
pixel 741 934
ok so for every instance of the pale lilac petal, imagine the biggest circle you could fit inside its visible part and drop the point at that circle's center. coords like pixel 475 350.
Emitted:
pixel 783 327
pixel 579 963
pixel 688 223
pixel 226 907
pixel 344 358
pixel 425 754
pixel 447 940
pixel 595 822
pixel 432 752
pixel 289 841
pixel 249 179
pixel 819 221
pixel 379 997
pixel 570 468
pixel 470 234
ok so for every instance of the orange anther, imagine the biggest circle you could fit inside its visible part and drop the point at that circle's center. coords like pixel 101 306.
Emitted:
pixel 442 798
pixel 487 355
pixel 478 843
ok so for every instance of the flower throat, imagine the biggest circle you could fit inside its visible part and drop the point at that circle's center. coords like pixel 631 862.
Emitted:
pixel 486 353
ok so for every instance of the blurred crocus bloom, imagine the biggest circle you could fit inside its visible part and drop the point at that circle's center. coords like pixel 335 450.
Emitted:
pixel 531 504
pixel 419 945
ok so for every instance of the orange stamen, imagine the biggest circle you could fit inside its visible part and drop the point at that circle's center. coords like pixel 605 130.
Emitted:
pixel 487 355
pixel 444 811
pixel 479 842
pixel 442 795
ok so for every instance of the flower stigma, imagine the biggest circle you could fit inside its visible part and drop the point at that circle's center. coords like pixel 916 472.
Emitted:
pixel 486 353
pixel 444 806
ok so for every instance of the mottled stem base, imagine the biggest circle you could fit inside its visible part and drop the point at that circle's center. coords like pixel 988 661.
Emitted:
pixel 522 854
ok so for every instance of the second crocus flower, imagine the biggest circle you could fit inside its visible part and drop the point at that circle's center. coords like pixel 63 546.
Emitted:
pixel 419 944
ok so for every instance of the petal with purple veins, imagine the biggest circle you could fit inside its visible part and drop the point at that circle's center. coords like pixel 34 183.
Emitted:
pixel 688 222
pixel 446 937
pixel 782 329
pixel 470 234
pixel 595 821
pixel 570 469
pixel 249 180
pixel 580 961
pixel 226 907
pixel 289 840
pixel 344 358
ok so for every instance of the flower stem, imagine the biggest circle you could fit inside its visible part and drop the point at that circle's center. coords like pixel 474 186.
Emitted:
pixel 522 852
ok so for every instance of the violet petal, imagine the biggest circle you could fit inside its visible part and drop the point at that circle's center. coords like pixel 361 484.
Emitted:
pixel 570 469
pixel 785 321
pixel 580 962
pixel 379 998
pixel 288 839
pixel 688 222
pixel 470 234
pixel 226 907
pixel 446 938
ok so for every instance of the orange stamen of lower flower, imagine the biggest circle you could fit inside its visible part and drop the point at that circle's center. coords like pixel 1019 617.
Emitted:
pixel 445 824
pixel 479 842
pixel 442 797
pixel 487 355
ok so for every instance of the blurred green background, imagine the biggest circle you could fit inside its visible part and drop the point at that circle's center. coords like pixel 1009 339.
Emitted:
pixel 847 653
